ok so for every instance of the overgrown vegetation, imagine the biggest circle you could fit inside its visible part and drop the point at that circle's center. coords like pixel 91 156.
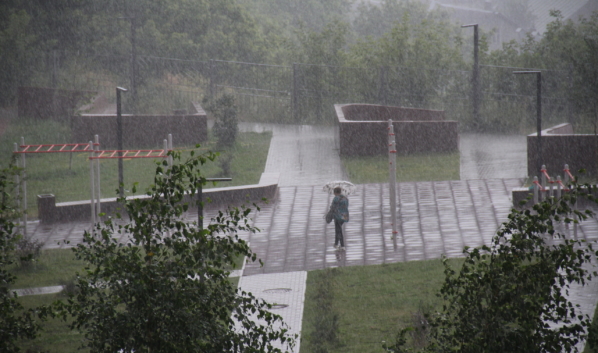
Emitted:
pixel 167 289
pixel 511 296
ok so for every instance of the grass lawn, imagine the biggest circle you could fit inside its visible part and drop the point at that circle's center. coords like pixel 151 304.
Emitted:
pixel 419 167
pixel 67 175
pixel 371 303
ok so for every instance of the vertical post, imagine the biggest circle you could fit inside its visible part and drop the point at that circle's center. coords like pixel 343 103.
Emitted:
pixel 97 162
pixel 539 115
pixel 54 69
pixel 119 138
pixel 475 84
pixel 134 63
pixel 536 190
pixel 558 188
pixel 170 148
pixel 542 172
pixel 92 187
pixel 212 78
pixel 392 172
pixel 294 105
pixel 200 207
pixel 476 77
pixel 17 186
pixel 165 148
pixel 24 181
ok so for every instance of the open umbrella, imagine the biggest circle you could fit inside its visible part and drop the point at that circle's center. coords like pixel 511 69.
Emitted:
pixel 347 187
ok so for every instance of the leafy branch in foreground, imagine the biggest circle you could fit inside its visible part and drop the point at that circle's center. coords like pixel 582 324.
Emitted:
pixel 15 322
pixel 166 289
pixel 512 296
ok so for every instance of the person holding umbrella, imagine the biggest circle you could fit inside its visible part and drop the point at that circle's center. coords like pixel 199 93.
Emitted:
pixel 340 213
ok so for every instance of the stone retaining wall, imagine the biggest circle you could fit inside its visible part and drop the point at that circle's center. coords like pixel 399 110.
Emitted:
pixel 143 131
pixel 52 212
pixel 363 130
pixel 561 146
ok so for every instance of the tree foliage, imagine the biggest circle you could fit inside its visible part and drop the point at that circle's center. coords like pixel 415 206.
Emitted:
pixel 511 296
pixel 16 323
pixel 224 112
pixel 166 289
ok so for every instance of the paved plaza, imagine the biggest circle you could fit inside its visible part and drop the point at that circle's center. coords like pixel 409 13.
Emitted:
pixel 434 218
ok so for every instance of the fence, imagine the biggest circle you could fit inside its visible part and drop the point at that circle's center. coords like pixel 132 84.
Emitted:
pixel 305 93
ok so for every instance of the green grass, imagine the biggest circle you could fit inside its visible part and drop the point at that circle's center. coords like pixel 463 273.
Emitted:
pixel 54 267
pixel 68 177
pixel 419 167
pixel 55 337
pixel 372 302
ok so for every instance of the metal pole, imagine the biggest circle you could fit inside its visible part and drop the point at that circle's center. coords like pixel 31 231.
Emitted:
pixel 295 107
pixel 91 178
pixel 134 63
pixel 392 172
pixel 165 148
pixel 170 161
pixel 24 181
pixel 98 190
pixel 476 76
pixel 119 138
pixel 539 158
pixel 17 186
pixel 539 116
pixel 200 207
pixel 212 78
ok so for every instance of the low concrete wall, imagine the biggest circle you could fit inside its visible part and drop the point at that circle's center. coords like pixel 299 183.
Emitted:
pixel 143 131
pixel 51 103
pixel 363 130
pixel 52 212
pixel 561 146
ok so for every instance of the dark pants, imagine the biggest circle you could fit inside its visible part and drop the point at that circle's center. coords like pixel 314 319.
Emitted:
pixel 338 233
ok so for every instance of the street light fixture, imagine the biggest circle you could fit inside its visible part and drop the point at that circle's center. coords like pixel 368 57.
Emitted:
pixel 476 75
pixel 538 74
pixel 119 138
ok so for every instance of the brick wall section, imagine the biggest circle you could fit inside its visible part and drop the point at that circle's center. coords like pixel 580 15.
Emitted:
pixel 559 147
pixel 363 130
pixel 141 131
pixel 50 103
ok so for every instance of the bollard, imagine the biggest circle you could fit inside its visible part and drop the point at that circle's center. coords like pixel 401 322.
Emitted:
pixel 559 186
pixel 170 160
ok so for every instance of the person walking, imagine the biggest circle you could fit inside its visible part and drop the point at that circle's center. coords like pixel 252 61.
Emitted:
pixel 340 214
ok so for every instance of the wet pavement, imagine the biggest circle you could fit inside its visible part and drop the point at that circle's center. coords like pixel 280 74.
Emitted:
pixel 435 218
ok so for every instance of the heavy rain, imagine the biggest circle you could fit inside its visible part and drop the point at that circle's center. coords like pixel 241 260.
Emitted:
pixel 437 119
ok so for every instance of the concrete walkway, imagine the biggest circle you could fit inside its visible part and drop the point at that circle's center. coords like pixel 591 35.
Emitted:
pixel 435 217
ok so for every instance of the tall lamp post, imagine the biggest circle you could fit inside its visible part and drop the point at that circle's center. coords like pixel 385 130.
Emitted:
pixel 476 75
pixel 539 159
pixel 119 138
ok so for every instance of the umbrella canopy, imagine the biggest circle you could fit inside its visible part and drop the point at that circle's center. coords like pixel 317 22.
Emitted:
pixel 347 187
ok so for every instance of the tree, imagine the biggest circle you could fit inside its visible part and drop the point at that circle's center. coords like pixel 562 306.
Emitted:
pixel 167 288
pixel 15 322
pixel 225 127
pixel 510 297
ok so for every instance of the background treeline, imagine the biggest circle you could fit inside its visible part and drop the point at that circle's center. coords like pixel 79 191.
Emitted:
pixel 289 61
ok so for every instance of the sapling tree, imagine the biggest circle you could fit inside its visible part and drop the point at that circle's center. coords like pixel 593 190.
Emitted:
pixel 167 288
pixel 512 296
